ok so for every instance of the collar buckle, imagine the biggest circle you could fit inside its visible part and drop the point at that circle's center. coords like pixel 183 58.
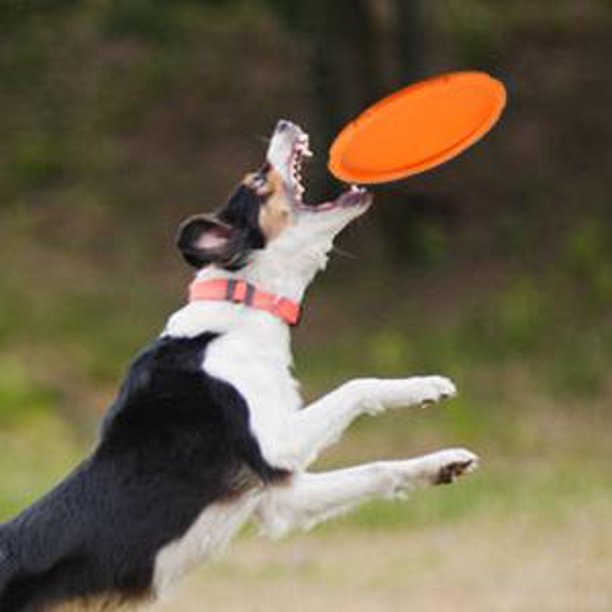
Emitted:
pixel 240 292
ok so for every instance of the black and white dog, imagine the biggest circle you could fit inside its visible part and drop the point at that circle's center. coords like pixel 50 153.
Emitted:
pixel 208 429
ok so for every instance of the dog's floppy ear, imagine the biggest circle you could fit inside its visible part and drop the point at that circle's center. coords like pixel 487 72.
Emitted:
pixel 203 240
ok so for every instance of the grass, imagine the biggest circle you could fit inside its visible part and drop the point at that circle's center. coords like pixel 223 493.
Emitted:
pixel 36 453
pixel 502 562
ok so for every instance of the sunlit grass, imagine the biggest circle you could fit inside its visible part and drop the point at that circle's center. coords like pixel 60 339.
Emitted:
pixel 35 454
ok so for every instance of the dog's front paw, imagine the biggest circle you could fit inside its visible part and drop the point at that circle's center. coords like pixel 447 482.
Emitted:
pixel 418 391
pixel 429 390
pixel 373 395
pixel 445 467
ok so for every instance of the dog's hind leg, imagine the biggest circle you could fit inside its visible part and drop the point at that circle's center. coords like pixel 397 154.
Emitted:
pixel 319 425
pixel 313 498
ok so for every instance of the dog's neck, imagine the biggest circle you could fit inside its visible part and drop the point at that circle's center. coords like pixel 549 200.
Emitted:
pixel 256 331
pixel 280 269
pixel 285 268
pixel 225 316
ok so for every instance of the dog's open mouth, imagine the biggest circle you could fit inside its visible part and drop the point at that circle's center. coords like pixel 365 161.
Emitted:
pixel 300 150
pixel 288 150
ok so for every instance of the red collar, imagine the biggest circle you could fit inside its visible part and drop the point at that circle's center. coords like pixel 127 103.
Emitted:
pixel 241 292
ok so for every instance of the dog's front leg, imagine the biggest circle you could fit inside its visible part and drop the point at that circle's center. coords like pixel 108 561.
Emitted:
pixel 312 498
pixel 312 429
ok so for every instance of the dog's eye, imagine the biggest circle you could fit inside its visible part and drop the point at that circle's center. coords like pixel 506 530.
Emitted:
pixel 259 181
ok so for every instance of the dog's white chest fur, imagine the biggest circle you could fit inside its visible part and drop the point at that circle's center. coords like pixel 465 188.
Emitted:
pixel 260 372
pixel 251 353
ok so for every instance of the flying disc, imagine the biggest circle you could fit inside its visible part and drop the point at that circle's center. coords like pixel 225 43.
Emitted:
pixel 417 128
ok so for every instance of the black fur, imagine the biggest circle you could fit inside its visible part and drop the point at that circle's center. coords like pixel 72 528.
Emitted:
pixel 189 234
pixel 237 222
pixel 175 441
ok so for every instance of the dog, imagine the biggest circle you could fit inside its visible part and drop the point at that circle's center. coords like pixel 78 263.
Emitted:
pixel 208 429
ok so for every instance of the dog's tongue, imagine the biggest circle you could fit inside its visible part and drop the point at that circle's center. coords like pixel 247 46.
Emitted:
pixel 352 197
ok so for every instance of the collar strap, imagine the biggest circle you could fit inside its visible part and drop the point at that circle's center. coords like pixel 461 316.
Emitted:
pixel 241 292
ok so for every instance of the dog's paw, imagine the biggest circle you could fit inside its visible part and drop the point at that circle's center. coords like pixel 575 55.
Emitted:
pixel 448 465
pixel 442 467
pixel 377 394
pixel 432 389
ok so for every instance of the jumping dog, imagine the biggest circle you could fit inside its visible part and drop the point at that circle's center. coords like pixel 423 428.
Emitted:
pixel 208 429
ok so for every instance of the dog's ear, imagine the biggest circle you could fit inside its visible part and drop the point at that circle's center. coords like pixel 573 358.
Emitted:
pixel 203 240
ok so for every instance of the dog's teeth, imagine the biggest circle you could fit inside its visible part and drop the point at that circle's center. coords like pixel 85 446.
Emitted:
pixel 303 148
pixel 300 150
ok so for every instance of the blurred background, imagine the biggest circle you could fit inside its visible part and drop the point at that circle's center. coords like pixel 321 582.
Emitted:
pixel 121 117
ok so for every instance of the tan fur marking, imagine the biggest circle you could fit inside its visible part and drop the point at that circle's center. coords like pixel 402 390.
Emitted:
pixel 276 214
pixel 251 180
pixel 101 603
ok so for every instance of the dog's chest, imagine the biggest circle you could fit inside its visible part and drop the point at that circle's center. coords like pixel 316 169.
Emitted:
pixel 260 369
pixel 252 353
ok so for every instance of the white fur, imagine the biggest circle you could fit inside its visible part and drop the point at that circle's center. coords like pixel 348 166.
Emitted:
pixel 211 532
pixel 253 354
pixel 314 498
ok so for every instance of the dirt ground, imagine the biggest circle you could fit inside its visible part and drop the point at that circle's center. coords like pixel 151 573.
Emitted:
pixel 507 564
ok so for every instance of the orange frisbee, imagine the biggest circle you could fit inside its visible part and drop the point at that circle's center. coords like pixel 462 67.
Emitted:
pixel 417 128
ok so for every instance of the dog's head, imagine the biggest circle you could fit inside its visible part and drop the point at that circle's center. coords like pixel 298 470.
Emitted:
pixel 266 224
